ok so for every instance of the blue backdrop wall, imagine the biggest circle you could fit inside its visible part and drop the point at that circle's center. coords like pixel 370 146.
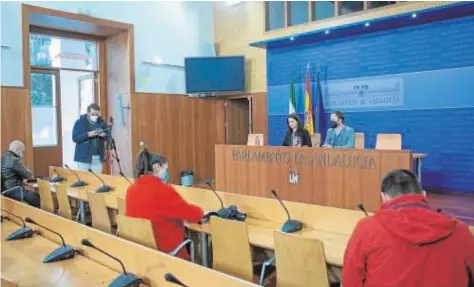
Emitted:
pixel 416 81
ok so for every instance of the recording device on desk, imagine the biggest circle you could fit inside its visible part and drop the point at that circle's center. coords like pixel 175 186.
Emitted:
pixel 230 212
pixel 61 253
pixel 125 279
pixel 56 178
pixel 23 232
pixel 171 278
pixel 79 182
pixel 104 187
pixel 361 207
pixel 291 225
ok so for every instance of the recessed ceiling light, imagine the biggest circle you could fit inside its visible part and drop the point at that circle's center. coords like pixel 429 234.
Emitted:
pixel 292 38
pixel 326 32
pixel 367 24
pixel 413 15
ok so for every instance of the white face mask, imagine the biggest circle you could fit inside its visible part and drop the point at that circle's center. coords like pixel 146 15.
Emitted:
pixel 20 154
pixel 93 118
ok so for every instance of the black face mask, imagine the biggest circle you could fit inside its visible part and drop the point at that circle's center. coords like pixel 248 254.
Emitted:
pixel 333 124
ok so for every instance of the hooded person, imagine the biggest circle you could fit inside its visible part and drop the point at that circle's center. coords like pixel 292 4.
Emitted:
pixel 407 243
pixel 151 197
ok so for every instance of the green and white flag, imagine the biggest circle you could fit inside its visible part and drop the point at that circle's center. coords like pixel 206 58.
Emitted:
pixel 292 100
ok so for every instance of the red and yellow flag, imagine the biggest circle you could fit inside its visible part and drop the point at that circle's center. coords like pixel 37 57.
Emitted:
pixel 308 105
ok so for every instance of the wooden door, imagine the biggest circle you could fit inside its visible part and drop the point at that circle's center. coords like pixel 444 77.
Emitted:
pixel 46 120
pixel 237 117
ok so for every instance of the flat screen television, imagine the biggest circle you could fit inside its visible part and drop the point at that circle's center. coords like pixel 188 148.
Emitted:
pixel 215 74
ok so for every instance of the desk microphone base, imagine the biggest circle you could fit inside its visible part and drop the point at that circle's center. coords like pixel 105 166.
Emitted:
pixel 126 280
pixel 24 232
pixel 60 253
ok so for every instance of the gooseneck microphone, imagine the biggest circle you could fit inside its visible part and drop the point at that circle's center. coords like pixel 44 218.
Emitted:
pixel 79 182
pixel 291 225
pixel 57 178
pixel 171 278
pixel 61 253
pixel 23 232
pixel 126 178
pixel 213 190
pixel 361 207
pixel 104 187
pixel 125 279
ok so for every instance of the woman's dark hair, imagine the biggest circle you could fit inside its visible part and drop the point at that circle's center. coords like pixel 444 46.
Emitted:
pixel 297 119
pixel 145 162
pixel 339 115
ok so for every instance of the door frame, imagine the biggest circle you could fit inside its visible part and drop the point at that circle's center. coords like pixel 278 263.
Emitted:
pixel 93 76
pixel 57 95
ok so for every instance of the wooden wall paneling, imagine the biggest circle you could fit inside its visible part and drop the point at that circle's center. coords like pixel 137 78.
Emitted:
pixel 183 129
pixel 16 120
pixel 253 177
pixel 206 134
pixel 118 84
pixel 182 136
pixel 334 182
pixel 260 115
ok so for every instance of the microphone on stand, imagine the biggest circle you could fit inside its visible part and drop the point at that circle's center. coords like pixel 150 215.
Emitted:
pixel 57 178
pixel 291 225
pixel 79 182
pixel 23 232
pixel 125 279
pixel 171 278
pixel 126 178
pixel 104 187
pixel 361 207
pixel 61 253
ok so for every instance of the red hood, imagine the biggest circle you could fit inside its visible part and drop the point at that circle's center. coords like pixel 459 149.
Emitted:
pixel 410 218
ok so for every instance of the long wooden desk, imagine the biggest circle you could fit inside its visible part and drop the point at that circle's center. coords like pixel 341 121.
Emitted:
pixel 332 226
pixel 331 177
pixel 149 264
pixel 22 264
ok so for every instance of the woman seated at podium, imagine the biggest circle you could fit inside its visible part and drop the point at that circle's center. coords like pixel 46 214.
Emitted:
pixel 296 135
pixel 152 198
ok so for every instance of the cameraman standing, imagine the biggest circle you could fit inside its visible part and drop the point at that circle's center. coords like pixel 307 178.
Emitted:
pixel 90 135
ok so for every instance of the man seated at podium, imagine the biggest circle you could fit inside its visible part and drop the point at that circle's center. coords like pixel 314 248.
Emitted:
pixel 296 135
pixel 14 172
pixel 339 135
pixel 152 198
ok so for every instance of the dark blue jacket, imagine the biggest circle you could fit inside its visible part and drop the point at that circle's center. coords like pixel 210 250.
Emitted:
pixel 83 144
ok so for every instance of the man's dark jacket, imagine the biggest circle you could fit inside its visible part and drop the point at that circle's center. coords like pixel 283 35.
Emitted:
pixel 83 152
pixel 13 170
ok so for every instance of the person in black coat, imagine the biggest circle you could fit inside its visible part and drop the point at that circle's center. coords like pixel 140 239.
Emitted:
pixel 296 135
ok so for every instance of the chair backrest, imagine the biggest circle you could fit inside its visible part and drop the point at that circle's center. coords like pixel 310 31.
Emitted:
pixel 64 208
pixel 255 140
pixel 231 248
pixel 359 140
pixel 46 198
pixel 316 139
pixel 137 230
pixel 7 282
pixel 99 213
pixel 389 141
pixel 300 261
pixel 472 230
pixel 121 205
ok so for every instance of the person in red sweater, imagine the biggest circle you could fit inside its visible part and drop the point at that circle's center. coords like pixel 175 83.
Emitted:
pixel 407 243
pixel 151 197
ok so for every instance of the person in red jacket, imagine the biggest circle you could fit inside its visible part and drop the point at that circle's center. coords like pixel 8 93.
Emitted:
pixel 407 243
pixel 151 197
